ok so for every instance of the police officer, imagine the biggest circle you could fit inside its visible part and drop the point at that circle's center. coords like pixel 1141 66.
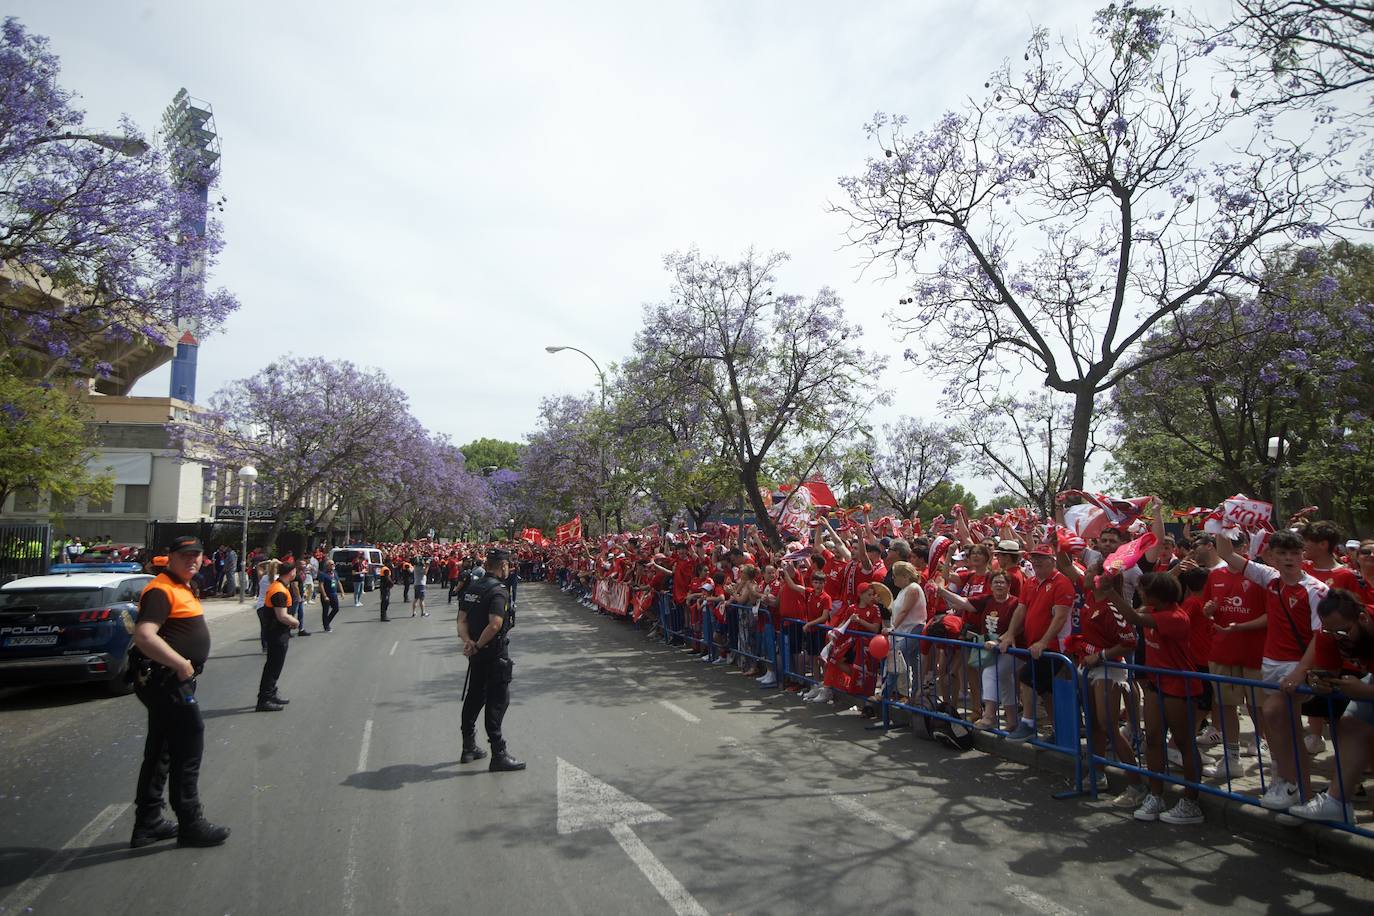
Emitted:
pixel 484 622
pixel 384 584
pixel 277 624
pixel 172 644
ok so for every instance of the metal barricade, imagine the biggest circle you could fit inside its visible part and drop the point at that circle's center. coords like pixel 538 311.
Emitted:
pixel 1257 692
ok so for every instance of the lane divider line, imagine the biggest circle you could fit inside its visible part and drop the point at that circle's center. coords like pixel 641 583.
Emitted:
pixel 679 711
pixel 393 647
pixel 29 891
pixel 668 887
pixel 868 815
pixel 367 745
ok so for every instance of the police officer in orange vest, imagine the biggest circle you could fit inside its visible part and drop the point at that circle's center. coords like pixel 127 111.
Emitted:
pixel 277 624
pixel 172 643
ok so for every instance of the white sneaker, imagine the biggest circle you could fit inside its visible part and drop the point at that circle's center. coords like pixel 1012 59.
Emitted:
pixel 1260 749
pixel 1150 809
pixel 1208 736
pixel 1225 767
pixel 1322 807
pixel 1280 796
pixel 824 695
pixel 1131 796
pixel 811 694
pixel 1185 812
pixel 768 680
pixel 1315 744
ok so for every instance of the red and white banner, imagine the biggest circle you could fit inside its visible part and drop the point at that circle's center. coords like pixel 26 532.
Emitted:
pixel 1245 513
pixel 612 596
pixel 570 532
pixel 642 601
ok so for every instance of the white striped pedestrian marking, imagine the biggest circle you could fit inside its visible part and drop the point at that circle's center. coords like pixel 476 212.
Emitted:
pixel 393 647
pixel 868 815
pixel 678 710
pixel 367 745
pixel 28 891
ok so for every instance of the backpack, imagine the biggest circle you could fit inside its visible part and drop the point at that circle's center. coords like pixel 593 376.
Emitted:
pixel 957 736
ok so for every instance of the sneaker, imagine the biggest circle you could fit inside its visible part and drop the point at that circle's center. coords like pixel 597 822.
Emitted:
pixel 1150 809
pixel 1260 749
pixel 721 660
pixel 824 695
pixel 1175 758
pixel 1131 796
pixel 1208 736
pixel 1280 796
pixel 1315 744
pixel 811 694
pixel 1023 731
pixel 1322 807
pixel 768 680
pixel 1225 767
pixel 424 613
pixel 1185 812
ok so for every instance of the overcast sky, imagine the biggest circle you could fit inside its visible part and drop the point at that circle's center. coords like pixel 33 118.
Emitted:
pixel 440 189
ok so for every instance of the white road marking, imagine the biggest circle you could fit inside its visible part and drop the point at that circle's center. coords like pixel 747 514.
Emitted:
pixel 350 878
pixel 587 803
pixel 1038 902
pixel 393 647
pixel 678 710
pixel 28 891
pixel 367 745
pixel 868 815
pixel 668 887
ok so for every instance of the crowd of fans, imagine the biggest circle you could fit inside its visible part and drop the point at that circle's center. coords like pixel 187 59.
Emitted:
pixel 978 619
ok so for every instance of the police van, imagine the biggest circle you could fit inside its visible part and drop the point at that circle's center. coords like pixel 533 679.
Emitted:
pixel 343 564
pixel 75 625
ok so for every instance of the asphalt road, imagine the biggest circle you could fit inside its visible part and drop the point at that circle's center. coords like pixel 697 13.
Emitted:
pixel 655 784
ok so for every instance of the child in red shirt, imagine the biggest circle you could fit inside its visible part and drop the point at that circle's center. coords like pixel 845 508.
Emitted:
pixel 1169 698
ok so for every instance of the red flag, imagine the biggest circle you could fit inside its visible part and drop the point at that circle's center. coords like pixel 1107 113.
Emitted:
pixel 820 492
pixel 570 532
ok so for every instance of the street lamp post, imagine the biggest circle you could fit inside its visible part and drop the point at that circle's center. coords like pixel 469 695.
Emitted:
pixel 247 474
pixel 600 445
pixel 1277 445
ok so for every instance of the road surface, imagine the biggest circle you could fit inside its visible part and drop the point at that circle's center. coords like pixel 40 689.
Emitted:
pixel 655 785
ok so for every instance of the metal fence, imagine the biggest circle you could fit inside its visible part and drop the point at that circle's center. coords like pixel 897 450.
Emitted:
pixel 940 673
pixel 25 549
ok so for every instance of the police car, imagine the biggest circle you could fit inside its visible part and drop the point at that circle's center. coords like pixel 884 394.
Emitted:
pixel 75 625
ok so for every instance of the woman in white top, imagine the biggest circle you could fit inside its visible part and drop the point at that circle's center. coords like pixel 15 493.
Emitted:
pixel 908 617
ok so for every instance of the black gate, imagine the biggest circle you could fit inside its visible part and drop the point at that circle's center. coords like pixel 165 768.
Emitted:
pixel 25 549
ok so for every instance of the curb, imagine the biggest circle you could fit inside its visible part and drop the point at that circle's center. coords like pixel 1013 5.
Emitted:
pixel 1336 848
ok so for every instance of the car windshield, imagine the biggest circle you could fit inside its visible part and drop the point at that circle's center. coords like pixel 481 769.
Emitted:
pixel 50 599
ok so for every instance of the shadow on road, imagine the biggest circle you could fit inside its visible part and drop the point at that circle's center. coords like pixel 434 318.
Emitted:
pixel 400 775
pixel 51 696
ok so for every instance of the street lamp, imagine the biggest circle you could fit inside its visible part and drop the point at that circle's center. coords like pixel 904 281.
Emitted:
pixel 1277 446
pixel 510 527
pixel 247 474
pixel 600 445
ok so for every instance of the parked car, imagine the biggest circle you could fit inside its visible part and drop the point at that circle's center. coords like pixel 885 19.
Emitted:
pixel 75 625
pixel 343 564
pixel 109 553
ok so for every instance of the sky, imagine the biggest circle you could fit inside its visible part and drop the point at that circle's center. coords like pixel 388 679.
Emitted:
pixel 442 189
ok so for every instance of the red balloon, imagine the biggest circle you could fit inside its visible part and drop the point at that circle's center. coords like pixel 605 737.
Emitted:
pixel 878 647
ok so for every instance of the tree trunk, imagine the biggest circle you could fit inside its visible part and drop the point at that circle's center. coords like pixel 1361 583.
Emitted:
pixel 749 477
pixel 1078 437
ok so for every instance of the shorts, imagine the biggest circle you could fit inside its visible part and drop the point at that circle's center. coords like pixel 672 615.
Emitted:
pixel 1103 673
pixel 1272 672
pixel 1362 710
pixel 1039 673
pixel 1234 694
pixel 419 590
pixel 1149 683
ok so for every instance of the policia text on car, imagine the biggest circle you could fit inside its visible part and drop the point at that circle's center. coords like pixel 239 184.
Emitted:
pixel 484 623
pixel 171 643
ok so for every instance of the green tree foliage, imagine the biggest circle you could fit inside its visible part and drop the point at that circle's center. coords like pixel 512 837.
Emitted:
pixel 1196 427
pixel 44 441
pixel 487 453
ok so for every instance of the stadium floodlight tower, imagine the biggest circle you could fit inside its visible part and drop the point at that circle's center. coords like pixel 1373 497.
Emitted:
pixel 188 131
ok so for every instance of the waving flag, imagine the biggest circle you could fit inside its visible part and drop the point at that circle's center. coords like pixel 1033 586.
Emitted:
pixel 570 532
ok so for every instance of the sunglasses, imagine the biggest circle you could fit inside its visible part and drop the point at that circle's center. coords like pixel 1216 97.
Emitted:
pixel 1336 634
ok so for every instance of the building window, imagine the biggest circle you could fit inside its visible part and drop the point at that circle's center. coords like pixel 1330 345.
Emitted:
pixel 136 499
pixel 100 505
pixel 26 499
pixel 63 505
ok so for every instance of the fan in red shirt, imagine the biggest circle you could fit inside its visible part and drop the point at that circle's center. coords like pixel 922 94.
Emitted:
pixel 1042 616
pixel 1168 635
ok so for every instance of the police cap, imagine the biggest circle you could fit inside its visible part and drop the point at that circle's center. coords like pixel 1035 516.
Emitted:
pixel 186 544
pixel 497 555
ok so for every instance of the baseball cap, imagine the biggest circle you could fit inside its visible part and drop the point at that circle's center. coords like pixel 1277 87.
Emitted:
pixel 1042 550
pixel 187 543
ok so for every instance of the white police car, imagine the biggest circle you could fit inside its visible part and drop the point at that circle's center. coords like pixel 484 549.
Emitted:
pixel 75 625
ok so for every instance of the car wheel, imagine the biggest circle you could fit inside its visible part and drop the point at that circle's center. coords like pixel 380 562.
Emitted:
pixel 119 685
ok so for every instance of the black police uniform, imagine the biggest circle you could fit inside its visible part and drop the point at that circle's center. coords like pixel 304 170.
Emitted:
pixel 175 739
pixel 489 671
